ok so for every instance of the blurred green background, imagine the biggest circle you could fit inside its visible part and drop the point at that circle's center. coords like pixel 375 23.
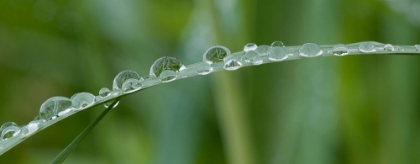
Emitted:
pixel 351 110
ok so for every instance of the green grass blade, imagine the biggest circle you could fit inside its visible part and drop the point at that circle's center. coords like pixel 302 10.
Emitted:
pixel 66 152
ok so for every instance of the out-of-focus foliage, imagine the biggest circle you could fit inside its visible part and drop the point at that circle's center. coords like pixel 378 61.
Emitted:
pixel 358 109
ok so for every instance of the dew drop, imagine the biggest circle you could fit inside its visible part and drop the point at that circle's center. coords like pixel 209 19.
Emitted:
pixel 8 130
pixel 277 53
pixel 417 47
pixel 104 92
pixel 389 47
pixel 310 50
pixel 53 106
pixel 215 54
pixel 277 44
pixel 367 47
pixel 250 47
pixel 123 76
pixel 340 50
pixel 249 56
pixel 31 127
pixel 258 60
pixel 165 63
pixel 131 85
pixel 232 63
pixel 167 76
pixel 204 68
pixel 82 100
pixel 107 104
pixel 262 50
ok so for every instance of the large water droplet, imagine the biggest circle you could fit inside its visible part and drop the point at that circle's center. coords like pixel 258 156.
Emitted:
pixel 277 44
pixel 123 76
pixel 165 63
pixel 389 47
pixel 131 85
pixel 262 50
pixel 82 100
pixel 53 106
pixel 204 68
pixel 277 53
pixel 250 47
pixel 417 47
pixel 232 63
pixel 8 130
pixel 310 50
pixel 215 54
pixel 249 56
pixel 367 47
pixel 340 50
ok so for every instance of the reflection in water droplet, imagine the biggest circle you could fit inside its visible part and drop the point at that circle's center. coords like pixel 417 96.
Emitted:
pixel 81 100
pixel 258 60
pixel 277 44
pixel 367 47
pixel 204 68
pixel 417 47
pixel 104 92
pixel 340 50
pixel 262 50
pixel 107 104
pixel 310 50
pixel 277 53
pixel 166 63
pixel 249 56
pixel 167 76
pixel 131 85
pixel 389 47
pixel 232 63
pixel 8 130
pixel 215 54
pixel 53 106
pixel 123 76
pixel 250 47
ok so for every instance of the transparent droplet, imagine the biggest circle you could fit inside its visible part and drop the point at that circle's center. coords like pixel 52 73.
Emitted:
pixel 167 76
pixel 417 47
pixel 53 106
pixel 166 63
pixel 33 126
pixel 82 100
pixel 131 85
pixel 104 92
pixel 123 76
pixel 258 60
pixel 277 44
pixel 310 50
pixel 340 50
pixel 250 47
pixel 389 47
pixel 215 54
pixel 249 56
pixel 204 68
pixel 232 63
pixel 277 53
pixel 8 130
pixel 367 47
pixel 262 50
pixel 107 104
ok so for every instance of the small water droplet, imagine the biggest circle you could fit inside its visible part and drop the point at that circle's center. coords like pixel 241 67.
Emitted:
pixel 277 53
pixel 107 104
pixel 204 68
pixel 167 76
pixel 262 50
pixel 104 92
pixel 310 50
pixel 367 47
pixel 417 47
pixel 8 130
pixel 165 63
pixel 277 44
pixel 249 56
pixel 82 100
pixel 340 50
pixel 258 60
pixel 30 128
pixel 215 54
pixel 53 106
pixel 389 47
pixel 131 85
pixel 232 63
pixel 123 76
pixel 250 47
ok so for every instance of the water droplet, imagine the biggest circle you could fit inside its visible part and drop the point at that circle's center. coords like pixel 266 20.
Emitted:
pixel 277 53
pixel 204 68
pixel 389 47
pixel 310 50
pixel 249 56
pixel 367 47
pixel 8 130
pixel 340 50
pixel 107 104
pixel 165 63
pixel 123 76
pixel 232 63
pixel 277 44
pixel 82 100
pixel 53 106
pixel 262 50
pixel 104 92
pixel 258 60
pixel 250 47
pixel 131 85
pixel 31 127
pixel 417 47
pixel 167 76
pixel 215 54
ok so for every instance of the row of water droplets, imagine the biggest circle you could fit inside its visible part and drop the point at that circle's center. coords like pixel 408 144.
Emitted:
pixel 167 69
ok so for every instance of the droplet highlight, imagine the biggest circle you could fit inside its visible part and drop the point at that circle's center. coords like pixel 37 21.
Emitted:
pixel 53 106
pixel 131 85
pixel 277 44
pixel 310 50
pixel 340 50
pixel 389 47
pixel 367 47
pixel 216 54
pixel 107 104
pixel 82 100
pixel 204 68
pixel 123 76
pixel 167 76
pixel 250 47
